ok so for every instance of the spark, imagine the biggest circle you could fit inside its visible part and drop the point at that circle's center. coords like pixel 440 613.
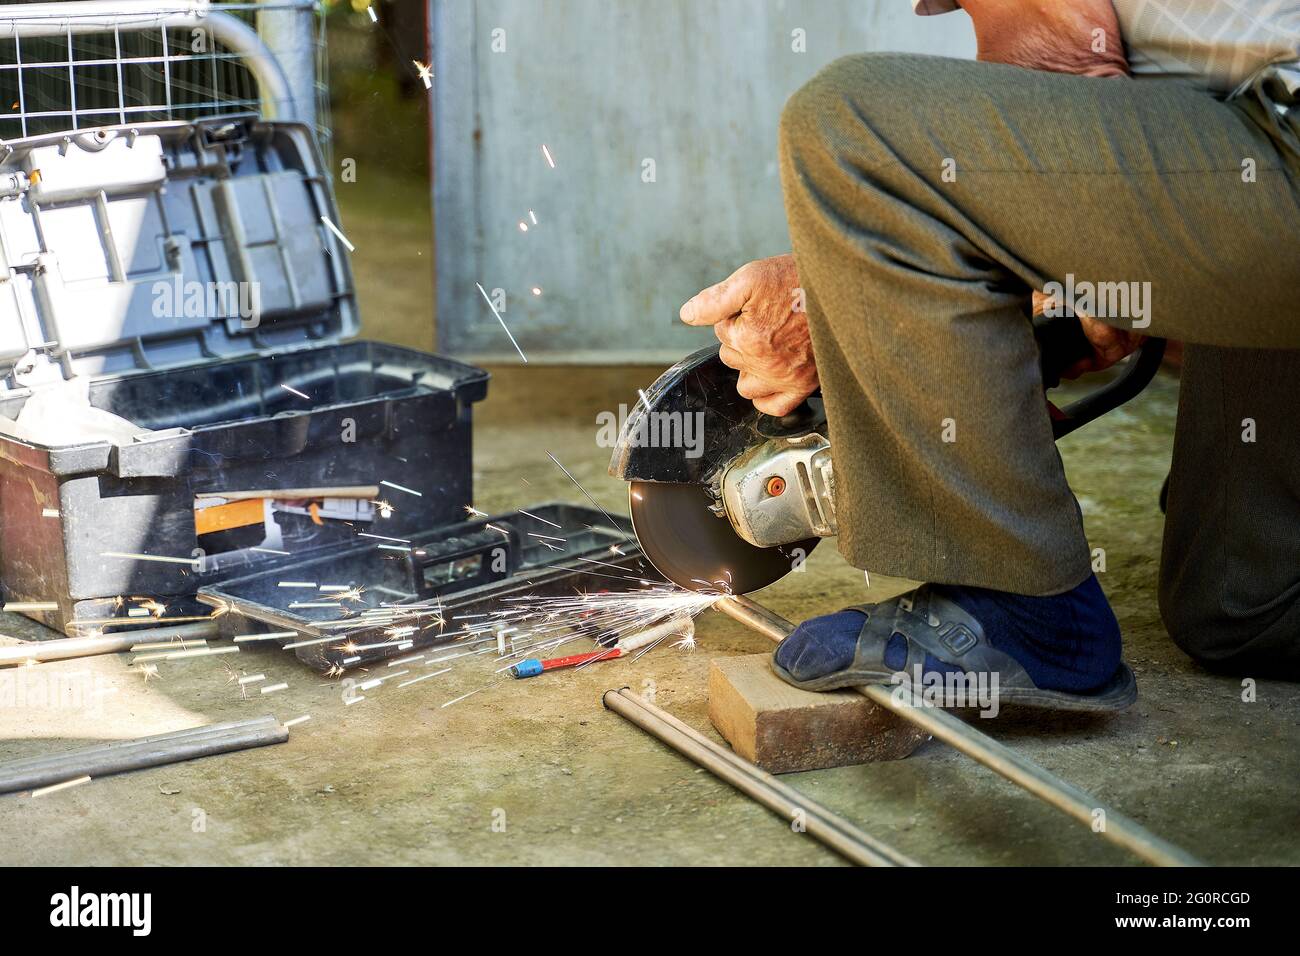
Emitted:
pixel 533 216
pixel 382 537
pixel 547 153
pixel 409 491
pixel 385 509
pixel 273 635
pixel 488 299
pixel 474 512
pixel 144 557
pixel 604 617
pixel 154 608
pixel 268 551
pixel 186 655
pixel 425 71
pixel 416 680
pixel 335 229
pixel 297 584
pixel 374 18
pixel 291 389
pixel 54 787
pixel 538 518
pixel 175 644
pixel 463 697
pixel 319 640
pixel 150 671
pixel 612 523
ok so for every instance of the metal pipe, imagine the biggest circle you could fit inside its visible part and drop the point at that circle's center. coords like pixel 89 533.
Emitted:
pixel 1002 760
pixel 94 16
pixel 824 826
pixel 790 793
pixel 123 755
pixel 66 648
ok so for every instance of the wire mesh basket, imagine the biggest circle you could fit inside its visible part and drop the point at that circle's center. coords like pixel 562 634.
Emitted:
pixel 80 65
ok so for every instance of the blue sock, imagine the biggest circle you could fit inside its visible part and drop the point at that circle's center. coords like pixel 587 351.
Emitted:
pixel 1068 642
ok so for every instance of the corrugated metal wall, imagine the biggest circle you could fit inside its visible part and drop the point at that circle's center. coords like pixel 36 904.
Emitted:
pixel 689 90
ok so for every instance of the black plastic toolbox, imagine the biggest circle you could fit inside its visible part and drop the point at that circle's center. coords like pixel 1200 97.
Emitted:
pixel 432 585
pixel 118 247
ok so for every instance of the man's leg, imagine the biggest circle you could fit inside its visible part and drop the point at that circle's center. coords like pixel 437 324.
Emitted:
pixel 1230 571
pixel 926 198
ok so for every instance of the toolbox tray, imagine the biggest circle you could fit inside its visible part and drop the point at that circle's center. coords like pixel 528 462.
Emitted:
pixel 466 569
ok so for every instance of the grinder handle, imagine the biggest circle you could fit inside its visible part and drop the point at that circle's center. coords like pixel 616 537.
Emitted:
pixel 1061 343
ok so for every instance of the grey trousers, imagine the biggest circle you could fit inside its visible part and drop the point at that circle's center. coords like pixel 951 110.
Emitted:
pixel 926 199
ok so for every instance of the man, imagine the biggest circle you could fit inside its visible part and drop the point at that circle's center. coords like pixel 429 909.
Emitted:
pixel 1144 141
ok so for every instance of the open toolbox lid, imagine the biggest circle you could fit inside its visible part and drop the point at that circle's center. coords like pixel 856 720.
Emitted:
pixel 155 245
pixel 357 604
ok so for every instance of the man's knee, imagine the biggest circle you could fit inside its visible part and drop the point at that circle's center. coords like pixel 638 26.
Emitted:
pixel 851 93
pixel 1265 643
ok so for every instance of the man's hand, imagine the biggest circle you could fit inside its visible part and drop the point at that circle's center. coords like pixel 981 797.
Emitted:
pixel 1109 344
pixel 758 315
pixel 1059 36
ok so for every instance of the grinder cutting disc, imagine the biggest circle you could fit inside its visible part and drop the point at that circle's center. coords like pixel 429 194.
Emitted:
pixel 693 547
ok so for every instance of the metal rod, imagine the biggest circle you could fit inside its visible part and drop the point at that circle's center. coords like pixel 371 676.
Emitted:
pixel 790 793
pixel 66 648
pixel 836 833
pixel 999 758
pixel 123 755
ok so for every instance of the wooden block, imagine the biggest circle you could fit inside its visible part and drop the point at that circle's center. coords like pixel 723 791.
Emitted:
pixel 783 729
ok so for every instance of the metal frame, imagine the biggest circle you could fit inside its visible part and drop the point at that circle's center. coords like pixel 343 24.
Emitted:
pixel 279 93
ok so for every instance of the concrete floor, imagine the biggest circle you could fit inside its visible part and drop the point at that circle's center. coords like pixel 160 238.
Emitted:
pixel 398 779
